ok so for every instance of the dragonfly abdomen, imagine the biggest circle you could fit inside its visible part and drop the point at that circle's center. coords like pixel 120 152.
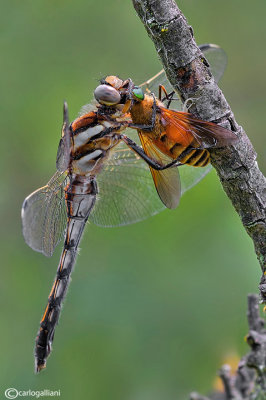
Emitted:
pixel 80 197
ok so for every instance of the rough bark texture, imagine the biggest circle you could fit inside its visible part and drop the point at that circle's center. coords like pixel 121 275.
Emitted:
pixel 188 72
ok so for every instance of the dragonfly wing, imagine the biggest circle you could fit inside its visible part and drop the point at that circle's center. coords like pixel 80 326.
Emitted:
pixel 87 108
pixel 152 85
pixel 126 191
pixel 191 176
pixel 44 215
pixel 217 59
pixel 63 152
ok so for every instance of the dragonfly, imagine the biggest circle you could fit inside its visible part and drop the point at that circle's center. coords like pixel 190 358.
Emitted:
pixel 168 137
pixel 98 179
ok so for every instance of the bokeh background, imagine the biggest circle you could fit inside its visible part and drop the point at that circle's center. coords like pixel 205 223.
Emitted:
pixel 154 308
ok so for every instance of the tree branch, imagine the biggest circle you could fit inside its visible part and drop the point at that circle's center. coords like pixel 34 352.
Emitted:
pixel 188 72
pixel 249 382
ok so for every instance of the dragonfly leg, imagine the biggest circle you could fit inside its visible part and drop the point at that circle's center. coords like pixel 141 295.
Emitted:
pixel 152 163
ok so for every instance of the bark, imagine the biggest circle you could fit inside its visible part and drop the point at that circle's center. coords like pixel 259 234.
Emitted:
pixel 188 72
pixel 249 382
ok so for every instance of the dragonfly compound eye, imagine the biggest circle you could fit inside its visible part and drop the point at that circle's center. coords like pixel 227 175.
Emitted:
pixel 107 95
pixel 138 93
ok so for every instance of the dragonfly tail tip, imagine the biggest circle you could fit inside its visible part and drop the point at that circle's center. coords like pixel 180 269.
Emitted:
pixel 39 366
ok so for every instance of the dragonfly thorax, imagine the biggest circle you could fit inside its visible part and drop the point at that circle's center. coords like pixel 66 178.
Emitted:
pixel 91 144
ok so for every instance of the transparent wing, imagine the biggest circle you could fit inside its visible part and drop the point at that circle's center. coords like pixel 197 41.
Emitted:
pixel 44 215
pixel 92 106
pixel 191 176
pixel 126 190
pixel 152 85
pixel 217 59
pixel 188 175
pixel 63 152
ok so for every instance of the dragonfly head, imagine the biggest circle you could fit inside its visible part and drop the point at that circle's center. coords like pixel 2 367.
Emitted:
pixel 107 95
pixel 113 91
pixel 113 81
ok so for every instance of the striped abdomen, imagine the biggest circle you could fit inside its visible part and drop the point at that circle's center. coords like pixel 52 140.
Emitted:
pixel 89 146
pixel 80 198
pixel 90 142
pixel 185 154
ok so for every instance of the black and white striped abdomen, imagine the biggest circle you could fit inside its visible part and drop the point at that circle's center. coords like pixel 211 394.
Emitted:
pixel 89 146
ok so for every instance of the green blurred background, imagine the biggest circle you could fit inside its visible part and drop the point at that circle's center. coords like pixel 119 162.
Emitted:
pixel 154 308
